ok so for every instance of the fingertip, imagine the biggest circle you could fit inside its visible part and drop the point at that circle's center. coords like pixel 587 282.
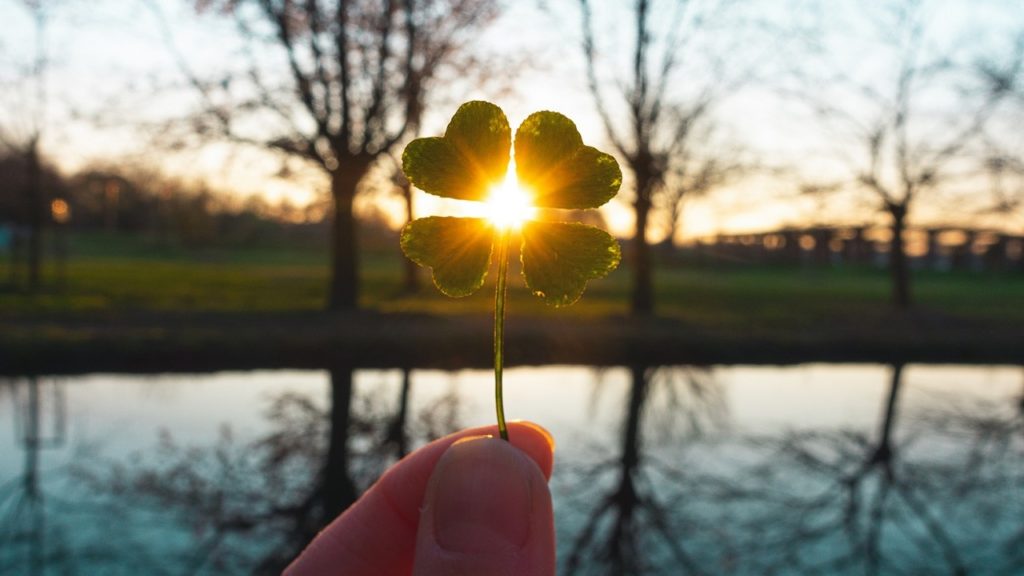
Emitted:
pixel 536 442
pixel 537 428
pixel 487 511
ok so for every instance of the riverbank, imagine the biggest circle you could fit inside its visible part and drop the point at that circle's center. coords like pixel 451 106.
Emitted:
pixel 191 341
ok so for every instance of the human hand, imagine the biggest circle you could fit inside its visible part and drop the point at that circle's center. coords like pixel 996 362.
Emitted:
pixel 466 504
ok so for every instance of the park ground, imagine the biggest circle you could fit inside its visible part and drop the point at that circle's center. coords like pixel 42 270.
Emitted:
pixel 124 302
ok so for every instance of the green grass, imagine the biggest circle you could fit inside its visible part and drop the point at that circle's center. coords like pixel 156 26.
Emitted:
pixel 121 274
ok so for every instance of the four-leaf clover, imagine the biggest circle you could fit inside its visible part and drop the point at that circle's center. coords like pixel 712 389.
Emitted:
pixel 552 165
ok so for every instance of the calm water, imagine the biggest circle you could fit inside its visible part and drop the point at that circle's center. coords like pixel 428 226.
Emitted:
pixel 813 469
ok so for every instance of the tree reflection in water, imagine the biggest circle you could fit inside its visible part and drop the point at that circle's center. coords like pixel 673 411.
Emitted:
pixel 935 486
pixel 936 492
pixel 24 545
pixel 251 507
pixel 628 527
pixel 936 489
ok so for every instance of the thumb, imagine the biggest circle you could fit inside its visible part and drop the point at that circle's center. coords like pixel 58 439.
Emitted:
pixel 487 510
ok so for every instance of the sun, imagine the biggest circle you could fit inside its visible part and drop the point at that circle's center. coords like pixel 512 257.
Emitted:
pixel 509 206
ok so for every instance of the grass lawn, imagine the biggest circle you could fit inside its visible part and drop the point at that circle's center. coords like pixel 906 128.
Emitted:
pixel 120 274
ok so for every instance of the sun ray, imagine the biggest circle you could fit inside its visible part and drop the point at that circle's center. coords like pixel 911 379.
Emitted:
pixel 509 205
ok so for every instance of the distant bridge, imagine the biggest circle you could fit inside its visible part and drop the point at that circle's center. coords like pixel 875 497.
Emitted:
pixel 933 248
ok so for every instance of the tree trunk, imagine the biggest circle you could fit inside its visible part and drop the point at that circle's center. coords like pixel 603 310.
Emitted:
pixel 675 217
pixel 898 265
pixel 642 302
pixel 36 218
pixel 339 490
pixel 411 280
pixel 344 288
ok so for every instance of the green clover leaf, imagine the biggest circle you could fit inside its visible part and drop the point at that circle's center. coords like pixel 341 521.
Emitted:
pixel 457 249
pixel 552 164
pixel 559 257
pixel 557 170
pixel 470 158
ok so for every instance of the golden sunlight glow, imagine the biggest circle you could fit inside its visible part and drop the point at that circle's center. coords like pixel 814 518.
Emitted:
pixel 509 206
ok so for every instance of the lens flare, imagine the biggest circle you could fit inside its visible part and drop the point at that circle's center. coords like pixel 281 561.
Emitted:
pixel 509 206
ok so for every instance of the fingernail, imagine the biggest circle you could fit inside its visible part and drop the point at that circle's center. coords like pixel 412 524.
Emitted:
pixel 481 497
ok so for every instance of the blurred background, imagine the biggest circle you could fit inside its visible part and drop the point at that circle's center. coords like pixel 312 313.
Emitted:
pixel 809 360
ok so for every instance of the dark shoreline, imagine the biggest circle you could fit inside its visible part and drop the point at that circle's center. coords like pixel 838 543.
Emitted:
pixel 199 342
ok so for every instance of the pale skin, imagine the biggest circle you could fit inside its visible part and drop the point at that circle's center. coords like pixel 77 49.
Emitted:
pixel 468 503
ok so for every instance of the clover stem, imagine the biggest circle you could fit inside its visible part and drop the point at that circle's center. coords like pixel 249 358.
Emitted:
pixel 499 329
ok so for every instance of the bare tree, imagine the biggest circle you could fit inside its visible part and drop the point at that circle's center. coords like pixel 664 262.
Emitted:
pixel 21 135
pixel 659 136
pixel 909 128
pixel 1003 160
pixel 358 76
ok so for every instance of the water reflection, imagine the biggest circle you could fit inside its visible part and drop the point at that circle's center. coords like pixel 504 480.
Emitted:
pixel 39 424
pixel 663 470
pixel 625 520
pixel 231 507
pixel 918 495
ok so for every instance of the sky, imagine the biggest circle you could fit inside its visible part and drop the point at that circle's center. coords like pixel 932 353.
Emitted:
pixel 111 61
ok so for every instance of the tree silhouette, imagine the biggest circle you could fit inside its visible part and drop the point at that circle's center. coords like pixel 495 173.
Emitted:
pixel 910 129
pixel 359 75
pixel 659 119
pixel 1004 165
pixel 21 135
